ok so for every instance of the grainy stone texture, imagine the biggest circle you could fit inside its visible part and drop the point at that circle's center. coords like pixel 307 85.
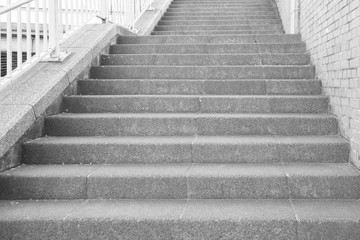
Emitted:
pixel 34 219
pixel 332 219
pixel 202 135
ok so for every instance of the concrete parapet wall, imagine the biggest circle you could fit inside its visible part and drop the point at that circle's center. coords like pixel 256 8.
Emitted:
pixel 26 101
pixel 331 30
pixel 38 93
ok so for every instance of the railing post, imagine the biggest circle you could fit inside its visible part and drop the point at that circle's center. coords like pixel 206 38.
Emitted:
pixel 105 10
pixel 53 27
pixel 54 33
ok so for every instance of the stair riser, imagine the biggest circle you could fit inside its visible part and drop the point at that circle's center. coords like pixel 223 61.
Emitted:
pixel 194 104
pixel 216 23
pixel 233 9
pixel 234 13
pixel 108 228
pixel 208 49
pixel 218 32
pixel 211 17
pixel 180 219
pixel 221 6
pixel 226 39
pixel 202 72
pixel 221 28
pixel 188 126
pixel 186 182
pixel 187 151
pixel 202 60
pixel 198 87
pixel 219 1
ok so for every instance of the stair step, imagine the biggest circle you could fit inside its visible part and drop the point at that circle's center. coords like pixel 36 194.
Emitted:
pixel 222 1
pixel 221 32
pixel 218 17
pixel 181 181
pixel 234 13
pixel 195 149
pixel 196 5
pixel 243 27
pixel 213 48
pixel 217 6
pixel 202 72
pixel 232 10
pixel 189 124
pixel 205 59
pixel 199 87
pixel 220 22
pixel 180 219
pixel 196 104
pixel 213 39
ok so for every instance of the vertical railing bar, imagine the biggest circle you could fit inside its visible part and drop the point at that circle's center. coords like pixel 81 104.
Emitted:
pixel 45 26
pixel 83 3
pixel 72 14
pixel 19 39
pixel 66 6
pixel 122 6
pixel 77 11
pixel 87 11
pixel 28 33
pixel 37 28
pixel 54 27
pixel 60 23
pixel 8 42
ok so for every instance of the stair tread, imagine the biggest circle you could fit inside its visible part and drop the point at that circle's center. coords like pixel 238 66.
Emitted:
pixel 203 96
pixel 182 180
pixel 209 209
pixel 213 44
pixel 192 115
pixel 192 170
pixel 248 139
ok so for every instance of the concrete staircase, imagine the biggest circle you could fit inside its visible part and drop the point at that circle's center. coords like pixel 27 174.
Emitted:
pixel 214 127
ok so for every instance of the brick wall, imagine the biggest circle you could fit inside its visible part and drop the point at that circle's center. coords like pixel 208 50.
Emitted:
pixel 331 30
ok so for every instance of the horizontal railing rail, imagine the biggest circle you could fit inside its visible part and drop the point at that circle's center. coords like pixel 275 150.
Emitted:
pixel 32 30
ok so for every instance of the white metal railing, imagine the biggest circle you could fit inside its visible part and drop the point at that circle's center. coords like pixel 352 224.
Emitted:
pixel 32 30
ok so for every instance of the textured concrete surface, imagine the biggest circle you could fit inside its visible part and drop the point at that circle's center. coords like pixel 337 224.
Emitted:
pixel 14 121
pixel 273 38
pixel 205 59
pixel 181 181
pixel 195 103
pixel 46 182
pixel 333 219
pixel 181 219
pixel 217 149
pixel 194 87
pixel 139 181
pixel 43 84
pixel 188 124
pixel 213 48
pixel 34 219
pixel 202 72
pixel 187 137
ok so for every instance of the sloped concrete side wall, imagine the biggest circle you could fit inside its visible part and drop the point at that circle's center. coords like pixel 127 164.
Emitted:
pixel 38 93
pixel 26 101
pixel 285 13
pixel 331 30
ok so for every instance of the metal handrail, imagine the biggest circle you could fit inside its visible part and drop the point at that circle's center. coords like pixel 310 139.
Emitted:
pixel 14 6
pixel 41 25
